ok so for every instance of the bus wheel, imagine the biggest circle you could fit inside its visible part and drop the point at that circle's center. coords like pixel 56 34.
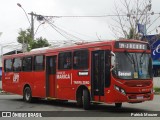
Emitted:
pixel 79 101
pixel 27 95
pixel 86 99
pixel 118 105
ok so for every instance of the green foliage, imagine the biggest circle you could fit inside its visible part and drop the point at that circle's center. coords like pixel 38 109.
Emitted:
pixel 40 42
pixel 132 34
pixel 26 38
pixel 157 89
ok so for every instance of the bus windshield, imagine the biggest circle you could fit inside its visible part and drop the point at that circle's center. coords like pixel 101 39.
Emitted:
pixel 133 65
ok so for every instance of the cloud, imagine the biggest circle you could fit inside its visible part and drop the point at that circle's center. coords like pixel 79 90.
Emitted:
pixel 13 17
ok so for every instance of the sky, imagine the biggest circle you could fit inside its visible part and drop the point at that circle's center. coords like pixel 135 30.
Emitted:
pixel 13 19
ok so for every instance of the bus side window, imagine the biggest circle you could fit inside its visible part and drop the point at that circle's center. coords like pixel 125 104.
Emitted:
pixel 8 65
pixel 80 59
pixel 107 68
pixel 39 63
pixel 27 64
pixel 17 64
pixel 65 60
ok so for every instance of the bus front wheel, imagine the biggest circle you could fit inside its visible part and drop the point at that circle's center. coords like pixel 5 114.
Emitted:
pixel 27 95
pixel 118 105
pixel 86 99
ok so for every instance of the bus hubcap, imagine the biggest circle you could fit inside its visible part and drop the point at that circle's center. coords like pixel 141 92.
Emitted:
pixel 27 95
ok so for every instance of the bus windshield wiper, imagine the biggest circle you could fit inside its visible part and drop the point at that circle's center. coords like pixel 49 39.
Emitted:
pixel 141 62
pixel 141 57
pixel 131 59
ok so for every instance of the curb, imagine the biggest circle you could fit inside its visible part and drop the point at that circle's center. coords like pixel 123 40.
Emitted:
pixel 4 93
pixel 157 93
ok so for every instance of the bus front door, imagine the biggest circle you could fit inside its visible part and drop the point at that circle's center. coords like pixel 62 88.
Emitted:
pixel 99 70
pixel 51 76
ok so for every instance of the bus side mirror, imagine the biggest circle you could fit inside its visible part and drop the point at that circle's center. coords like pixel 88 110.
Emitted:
pixel 113 56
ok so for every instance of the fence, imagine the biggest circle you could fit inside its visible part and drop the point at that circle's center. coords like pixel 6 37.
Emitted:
pixel 156 82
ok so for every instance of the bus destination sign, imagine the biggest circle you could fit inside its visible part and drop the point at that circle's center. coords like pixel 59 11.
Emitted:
pixel 128 45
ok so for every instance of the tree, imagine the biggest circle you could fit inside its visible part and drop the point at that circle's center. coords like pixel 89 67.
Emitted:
pixel 132 13
pixel 28 43
pixel 40 42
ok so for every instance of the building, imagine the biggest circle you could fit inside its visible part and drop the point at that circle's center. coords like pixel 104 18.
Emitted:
pixel 154 41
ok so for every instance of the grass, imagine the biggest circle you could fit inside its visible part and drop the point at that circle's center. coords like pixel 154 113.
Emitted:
pixel 0 90
pixel 157 89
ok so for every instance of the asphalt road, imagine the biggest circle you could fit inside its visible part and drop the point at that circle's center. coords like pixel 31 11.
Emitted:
pixel 15 103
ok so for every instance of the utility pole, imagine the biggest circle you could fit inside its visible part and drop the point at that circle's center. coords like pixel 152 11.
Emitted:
pixel 32 24
pixel 39 17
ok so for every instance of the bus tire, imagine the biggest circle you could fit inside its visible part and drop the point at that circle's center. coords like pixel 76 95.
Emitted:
pixel 118 105
pixel 79 101
pixel 86 99
pixel 27 95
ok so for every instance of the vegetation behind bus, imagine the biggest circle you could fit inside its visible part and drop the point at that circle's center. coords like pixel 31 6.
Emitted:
pixel 26 38
pixel 157 90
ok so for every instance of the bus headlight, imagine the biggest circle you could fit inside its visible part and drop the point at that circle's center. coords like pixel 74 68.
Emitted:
pixel 120 90
pixel 117 88
pixel 123 92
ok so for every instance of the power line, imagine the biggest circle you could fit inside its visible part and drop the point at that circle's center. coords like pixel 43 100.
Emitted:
pixel 63 32
pixel 67 33
pixel 57 30
pixel 73 31
pixel 93 16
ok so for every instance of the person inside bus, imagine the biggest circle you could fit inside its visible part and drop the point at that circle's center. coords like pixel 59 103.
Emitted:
pixel 67 63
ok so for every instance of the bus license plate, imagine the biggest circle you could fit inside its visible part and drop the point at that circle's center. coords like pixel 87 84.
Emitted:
pixel 139 97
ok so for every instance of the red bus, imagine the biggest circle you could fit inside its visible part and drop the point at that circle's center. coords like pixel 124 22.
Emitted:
pixel 100 72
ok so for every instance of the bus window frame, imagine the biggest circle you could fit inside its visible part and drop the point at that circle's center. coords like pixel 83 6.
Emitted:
pixel 13 60
pixel 75 68
pixel 33 65
pixel 11 65
pixel 71 58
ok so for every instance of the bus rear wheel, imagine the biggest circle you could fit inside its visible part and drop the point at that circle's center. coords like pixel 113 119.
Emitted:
pixel 118 105
pixel 86 99
pixel 27 95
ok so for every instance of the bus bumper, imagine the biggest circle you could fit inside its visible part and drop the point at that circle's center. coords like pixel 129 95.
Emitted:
pixel 117 97
pixel 132 98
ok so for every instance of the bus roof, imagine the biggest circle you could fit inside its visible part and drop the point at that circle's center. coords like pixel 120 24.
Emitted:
pixel 67 48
